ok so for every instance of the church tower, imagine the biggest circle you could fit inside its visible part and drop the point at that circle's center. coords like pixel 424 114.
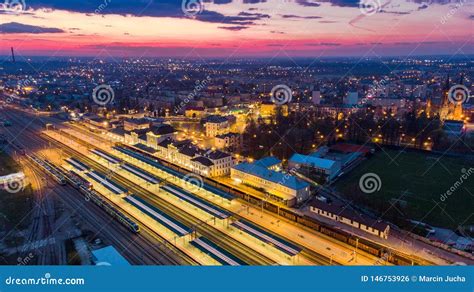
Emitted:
pixel 458 112
pixel 444 110
pixel 428 109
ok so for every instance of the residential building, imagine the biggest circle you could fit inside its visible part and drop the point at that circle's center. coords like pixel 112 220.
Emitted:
pixel 216 125
pixel 229 141
pixel 270 109
pixel 352 98
pixel 316 97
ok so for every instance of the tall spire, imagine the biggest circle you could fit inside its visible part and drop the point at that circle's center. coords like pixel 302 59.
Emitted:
pixel 445 100
pixel 447 84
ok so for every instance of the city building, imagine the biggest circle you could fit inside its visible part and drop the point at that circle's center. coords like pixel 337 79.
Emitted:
pixel 150 136
pixel 281 187
pixel 95 122
pixel 328 162
pixel 316 97
pixel 270 162
pixel 208 163
pixel 229 141
pixel 216 125
pixel 195 112
pixel 136 124
pixel 351 99
pixel 270 109
pixel 448 109
pixel 308 165
pixel 346 154
pixel 108 256
pixel 346 215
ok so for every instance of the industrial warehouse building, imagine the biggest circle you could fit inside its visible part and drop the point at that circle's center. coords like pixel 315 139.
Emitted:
pixel 327 163
pixel 306 164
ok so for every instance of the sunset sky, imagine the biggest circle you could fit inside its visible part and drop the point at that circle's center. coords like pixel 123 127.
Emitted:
pixel 233 28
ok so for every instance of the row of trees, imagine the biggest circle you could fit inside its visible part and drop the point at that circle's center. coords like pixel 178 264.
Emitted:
pixel 282 136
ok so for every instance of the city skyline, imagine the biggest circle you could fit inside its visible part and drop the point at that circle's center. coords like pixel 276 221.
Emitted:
pixel 277 29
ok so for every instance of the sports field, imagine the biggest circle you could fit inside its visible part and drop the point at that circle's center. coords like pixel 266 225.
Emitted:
pixel 411 186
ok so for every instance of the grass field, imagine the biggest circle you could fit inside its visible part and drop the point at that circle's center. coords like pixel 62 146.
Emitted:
pixel 412 184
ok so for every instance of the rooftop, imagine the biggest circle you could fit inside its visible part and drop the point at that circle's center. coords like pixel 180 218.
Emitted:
pixel 162 129
pixel 145 148
pixel 203 160
pixel 227 135
pixel 286 180
pixel 268 161
pixel 311 160
pixel 216 119
pixel 348 212
pixel 140 121
pixel 109 256
pixel 216 154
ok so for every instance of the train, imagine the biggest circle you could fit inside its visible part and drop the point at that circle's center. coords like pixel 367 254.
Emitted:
pixel 387 254
pixel 52 170
pixel 111 210
pixel 76 180
pixel 86 188
pixel 368 246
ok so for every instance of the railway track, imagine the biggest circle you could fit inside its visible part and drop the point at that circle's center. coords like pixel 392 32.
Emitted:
pixel 309 254
pixel 240 250
pixel 144 244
